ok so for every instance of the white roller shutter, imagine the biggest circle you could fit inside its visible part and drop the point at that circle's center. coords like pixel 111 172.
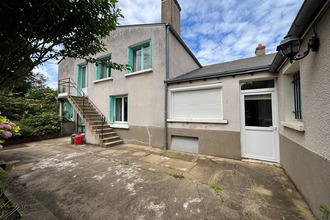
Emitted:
pixel 197 103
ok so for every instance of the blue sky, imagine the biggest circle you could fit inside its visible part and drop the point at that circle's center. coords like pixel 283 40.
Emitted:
pixel 215 31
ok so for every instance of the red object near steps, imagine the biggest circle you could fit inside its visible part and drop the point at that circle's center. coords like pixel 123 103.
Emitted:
pixel 78 139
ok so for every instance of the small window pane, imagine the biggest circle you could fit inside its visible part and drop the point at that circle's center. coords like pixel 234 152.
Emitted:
pixel 118 103
pixel 258 110
pixel 297 95
pixel 137 60
pixel 257 84
pixel 146 58
pixel 125 108
pixel 103 72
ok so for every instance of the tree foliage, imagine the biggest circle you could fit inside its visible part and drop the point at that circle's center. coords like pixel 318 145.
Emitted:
pixel 35 31
pixel 33 106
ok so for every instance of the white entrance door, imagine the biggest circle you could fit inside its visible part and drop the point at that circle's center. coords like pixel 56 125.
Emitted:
pixel 259 124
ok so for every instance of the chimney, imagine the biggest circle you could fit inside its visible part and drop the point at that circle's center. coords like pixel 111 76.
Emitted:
pixel 260 50
pixel 171 13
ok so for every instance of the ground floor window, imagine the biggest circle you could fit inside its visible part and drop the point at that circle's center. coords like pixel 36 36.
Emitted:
pixel 118 109
pixel 297 95
pixel 197 103
pixel 69 111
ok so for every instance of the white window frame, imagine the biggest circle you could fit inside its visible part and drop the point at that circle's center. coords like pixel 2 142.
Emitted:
pixel 290 120
pixel 122 109
pixel 196 120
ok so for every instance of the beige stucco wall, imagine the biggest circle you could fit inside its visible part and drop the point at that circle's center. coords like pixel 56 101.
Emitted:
pixel 180 60
pixel 143 90
pixel 315 92
pixel 305 155
pixel 215 138
pixel 146 91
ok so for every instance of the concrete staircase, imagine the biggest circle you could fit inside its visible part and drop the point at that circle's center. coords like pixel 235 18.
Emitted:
pixel 93 121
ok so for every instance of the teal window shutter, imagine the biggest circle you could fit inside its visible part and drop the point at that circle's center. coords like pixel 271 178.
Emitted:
pixel 78 79
pixel 112 109
pixel 98 70
pixel 109 70
pixel 130 59
pixel 67 109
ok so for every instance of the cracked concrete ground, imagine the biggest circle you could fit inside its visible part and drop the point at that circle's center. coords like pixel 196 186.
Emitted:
pixel 52 179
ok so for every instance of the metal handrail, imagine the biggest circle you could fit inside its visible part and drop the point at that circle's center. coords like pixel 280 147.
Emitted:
pixel 68 82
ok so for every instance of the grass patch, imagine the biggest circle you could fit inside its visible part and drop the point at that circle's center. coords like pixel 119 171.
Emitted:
pixel 178 176
pixel 126 162
pixel 325 211
pixel 7 209
pixel 215 187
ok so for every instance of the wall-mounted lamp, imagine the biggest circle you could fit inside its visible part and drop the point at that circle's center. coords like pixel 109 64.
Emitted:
pixel 290 47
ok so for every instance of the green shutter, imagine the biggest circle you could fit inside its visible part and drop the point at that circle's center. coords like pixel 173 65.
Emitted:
pixel 78 79
pixel 67 109
pixel 112 109
pixel 98 70
pixel 109 70
pixel 130 59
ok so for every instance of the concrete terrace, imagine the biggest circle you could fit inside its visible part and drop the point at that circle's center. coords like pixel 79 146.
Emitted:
pixel 53 179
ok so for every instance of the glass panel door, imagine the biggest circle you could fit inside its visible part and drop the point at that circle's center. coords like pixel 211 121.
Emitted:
pixel 258 110
pixel 83 77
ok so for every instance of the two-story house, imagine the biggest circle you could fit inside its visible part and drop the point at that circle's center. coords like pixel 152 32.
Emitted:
pixel 132 102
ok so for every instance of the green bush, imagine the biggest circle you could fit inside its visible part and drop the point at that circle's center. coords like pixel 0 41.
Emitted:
pixel 33 106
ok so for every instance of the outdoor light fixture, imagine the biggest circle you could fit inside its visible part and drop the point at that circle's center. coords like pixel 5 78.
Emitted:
pixel 290 47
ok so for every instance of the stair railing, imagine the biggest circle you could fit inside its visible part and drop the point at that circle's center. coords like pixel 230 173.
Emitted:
pixel 70 83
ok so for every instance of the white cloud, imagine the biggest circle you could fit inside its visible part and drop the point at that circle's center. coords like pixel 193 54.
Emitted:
pixel 50 71
pixel 216 31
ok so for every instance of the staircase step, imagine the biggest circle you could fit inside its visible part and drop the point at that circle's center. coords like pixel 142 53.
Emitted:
pixel 86 108
pixel 113 143
pixel 99 127
pixel 88 111
pixel 110 139
pixel 92 115
pixel 97 122
pixel 107 135
pixel 105 131
pixel 92 118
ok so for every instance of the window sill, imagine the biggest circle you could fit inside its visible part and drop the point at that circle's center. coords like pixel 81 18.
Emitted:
pixel 295 125
pixel 138 72
pixel 102 80
pixel 218 121
pixel 122 126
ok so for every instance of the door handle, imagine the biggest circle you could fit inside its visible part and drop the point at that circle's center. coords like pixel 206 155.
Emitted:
pixel 275 128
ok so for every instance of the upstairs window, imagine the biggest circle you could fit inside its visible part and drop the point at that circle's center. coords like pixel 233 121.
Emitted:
pixel 139 57
pixel 102 71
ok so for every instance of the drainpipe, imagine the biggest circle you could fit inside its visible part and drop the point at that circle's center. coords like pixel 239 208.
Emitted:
pixel 167 77
pixel 61 115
